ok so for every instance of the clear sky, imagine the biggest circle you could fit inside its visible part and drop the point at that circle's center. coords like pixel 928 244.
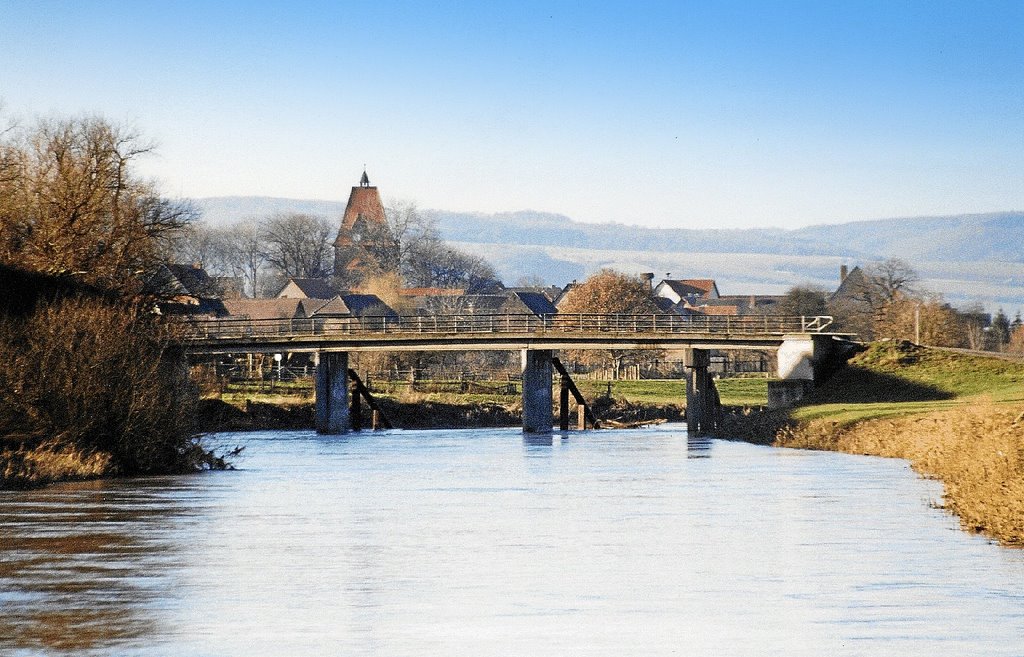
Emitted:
pixel 674 114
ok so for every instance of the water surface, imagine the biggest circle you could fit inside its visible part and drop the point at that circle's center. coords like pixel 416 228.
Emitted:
pixel 488 543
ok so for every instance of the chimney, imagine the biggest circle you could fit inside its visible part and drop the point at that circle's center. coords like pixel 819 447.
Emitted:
pixel 648 277
pixel 843 271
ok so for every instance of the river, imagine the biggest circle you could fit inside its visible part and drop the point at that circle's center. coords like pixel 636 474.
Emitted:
pixel 489 543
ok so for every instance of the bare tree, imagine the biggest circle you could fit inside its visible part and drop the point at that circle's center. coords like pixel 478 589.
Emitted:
pixel 380 248
pixel 869 293
pixel 233 251
pixel 974 320
pixel 407 231
pixel 10 156
pixel 71 204
pixel 298 245
pixel 407 243
pixel 928 319
pixel 242 254
pixel 197 243
pixel 531 280
pixel 436 264
pixel 887 281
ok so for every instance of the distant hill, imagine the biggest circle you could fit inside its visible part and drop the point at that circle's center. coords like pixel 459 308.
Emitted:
pixel 967 238
pixel 967 258
pixel 544 229
pixel 997 236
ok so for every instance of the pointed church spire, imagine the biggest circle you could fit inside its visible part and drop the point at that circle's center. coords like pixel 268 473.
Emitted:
pixel 365 180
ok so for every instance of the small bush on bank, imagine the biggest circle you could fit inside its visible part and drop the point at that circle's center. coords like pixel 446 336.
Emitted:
pixel 93 377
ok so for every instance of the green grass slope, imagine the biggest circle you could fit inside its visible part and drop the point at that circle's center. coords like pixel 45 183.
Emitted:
pixel 896 378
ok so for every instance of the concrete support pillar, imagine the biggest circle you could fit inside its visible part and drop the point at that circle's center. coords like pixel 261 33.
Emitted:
pixel 537 398
pixel 332 409
pixel 703 407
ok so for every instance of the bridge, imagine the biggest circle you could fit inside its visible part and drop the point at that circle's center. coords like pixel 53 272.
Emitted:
pixel 805 348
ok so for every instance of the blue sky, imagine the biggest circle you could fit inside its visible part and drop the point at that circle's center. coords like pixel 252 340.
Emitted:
pixel 724 114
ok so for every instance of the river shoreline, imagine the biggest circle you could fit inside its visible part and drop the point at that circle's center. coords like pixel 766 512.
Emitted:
pixel 957 418
pixel 975 451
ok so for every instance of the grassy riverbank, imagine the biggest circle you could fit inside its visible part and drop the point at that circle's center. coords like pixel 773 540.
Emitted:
pixel 956 417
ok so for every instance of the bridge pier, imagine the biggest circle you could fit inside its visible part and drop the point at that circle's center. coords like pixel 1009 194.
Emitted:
pixel 703 407
pixel 537 397
pixel 332 407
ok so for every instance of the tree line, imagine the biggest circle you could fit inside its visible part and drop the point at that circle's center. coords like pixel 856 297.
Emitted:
pixel 264 252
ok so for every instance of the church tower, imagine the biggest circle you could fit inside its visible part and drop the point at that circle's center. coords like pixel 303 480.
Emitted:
pixel 363 234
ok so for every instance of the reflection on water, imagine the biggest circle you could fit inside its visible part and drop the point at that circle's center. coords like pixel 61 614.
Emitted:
pixel 491 542
pixel 698 448
pixel 80 564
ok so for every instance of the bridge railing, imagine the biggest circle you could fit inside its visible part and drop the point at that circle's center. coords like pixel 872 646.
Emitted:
pixel 465 324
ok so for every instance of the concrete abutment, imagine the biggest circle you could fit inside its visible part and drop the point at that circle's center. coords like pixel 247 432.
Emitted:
pixel 803 361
